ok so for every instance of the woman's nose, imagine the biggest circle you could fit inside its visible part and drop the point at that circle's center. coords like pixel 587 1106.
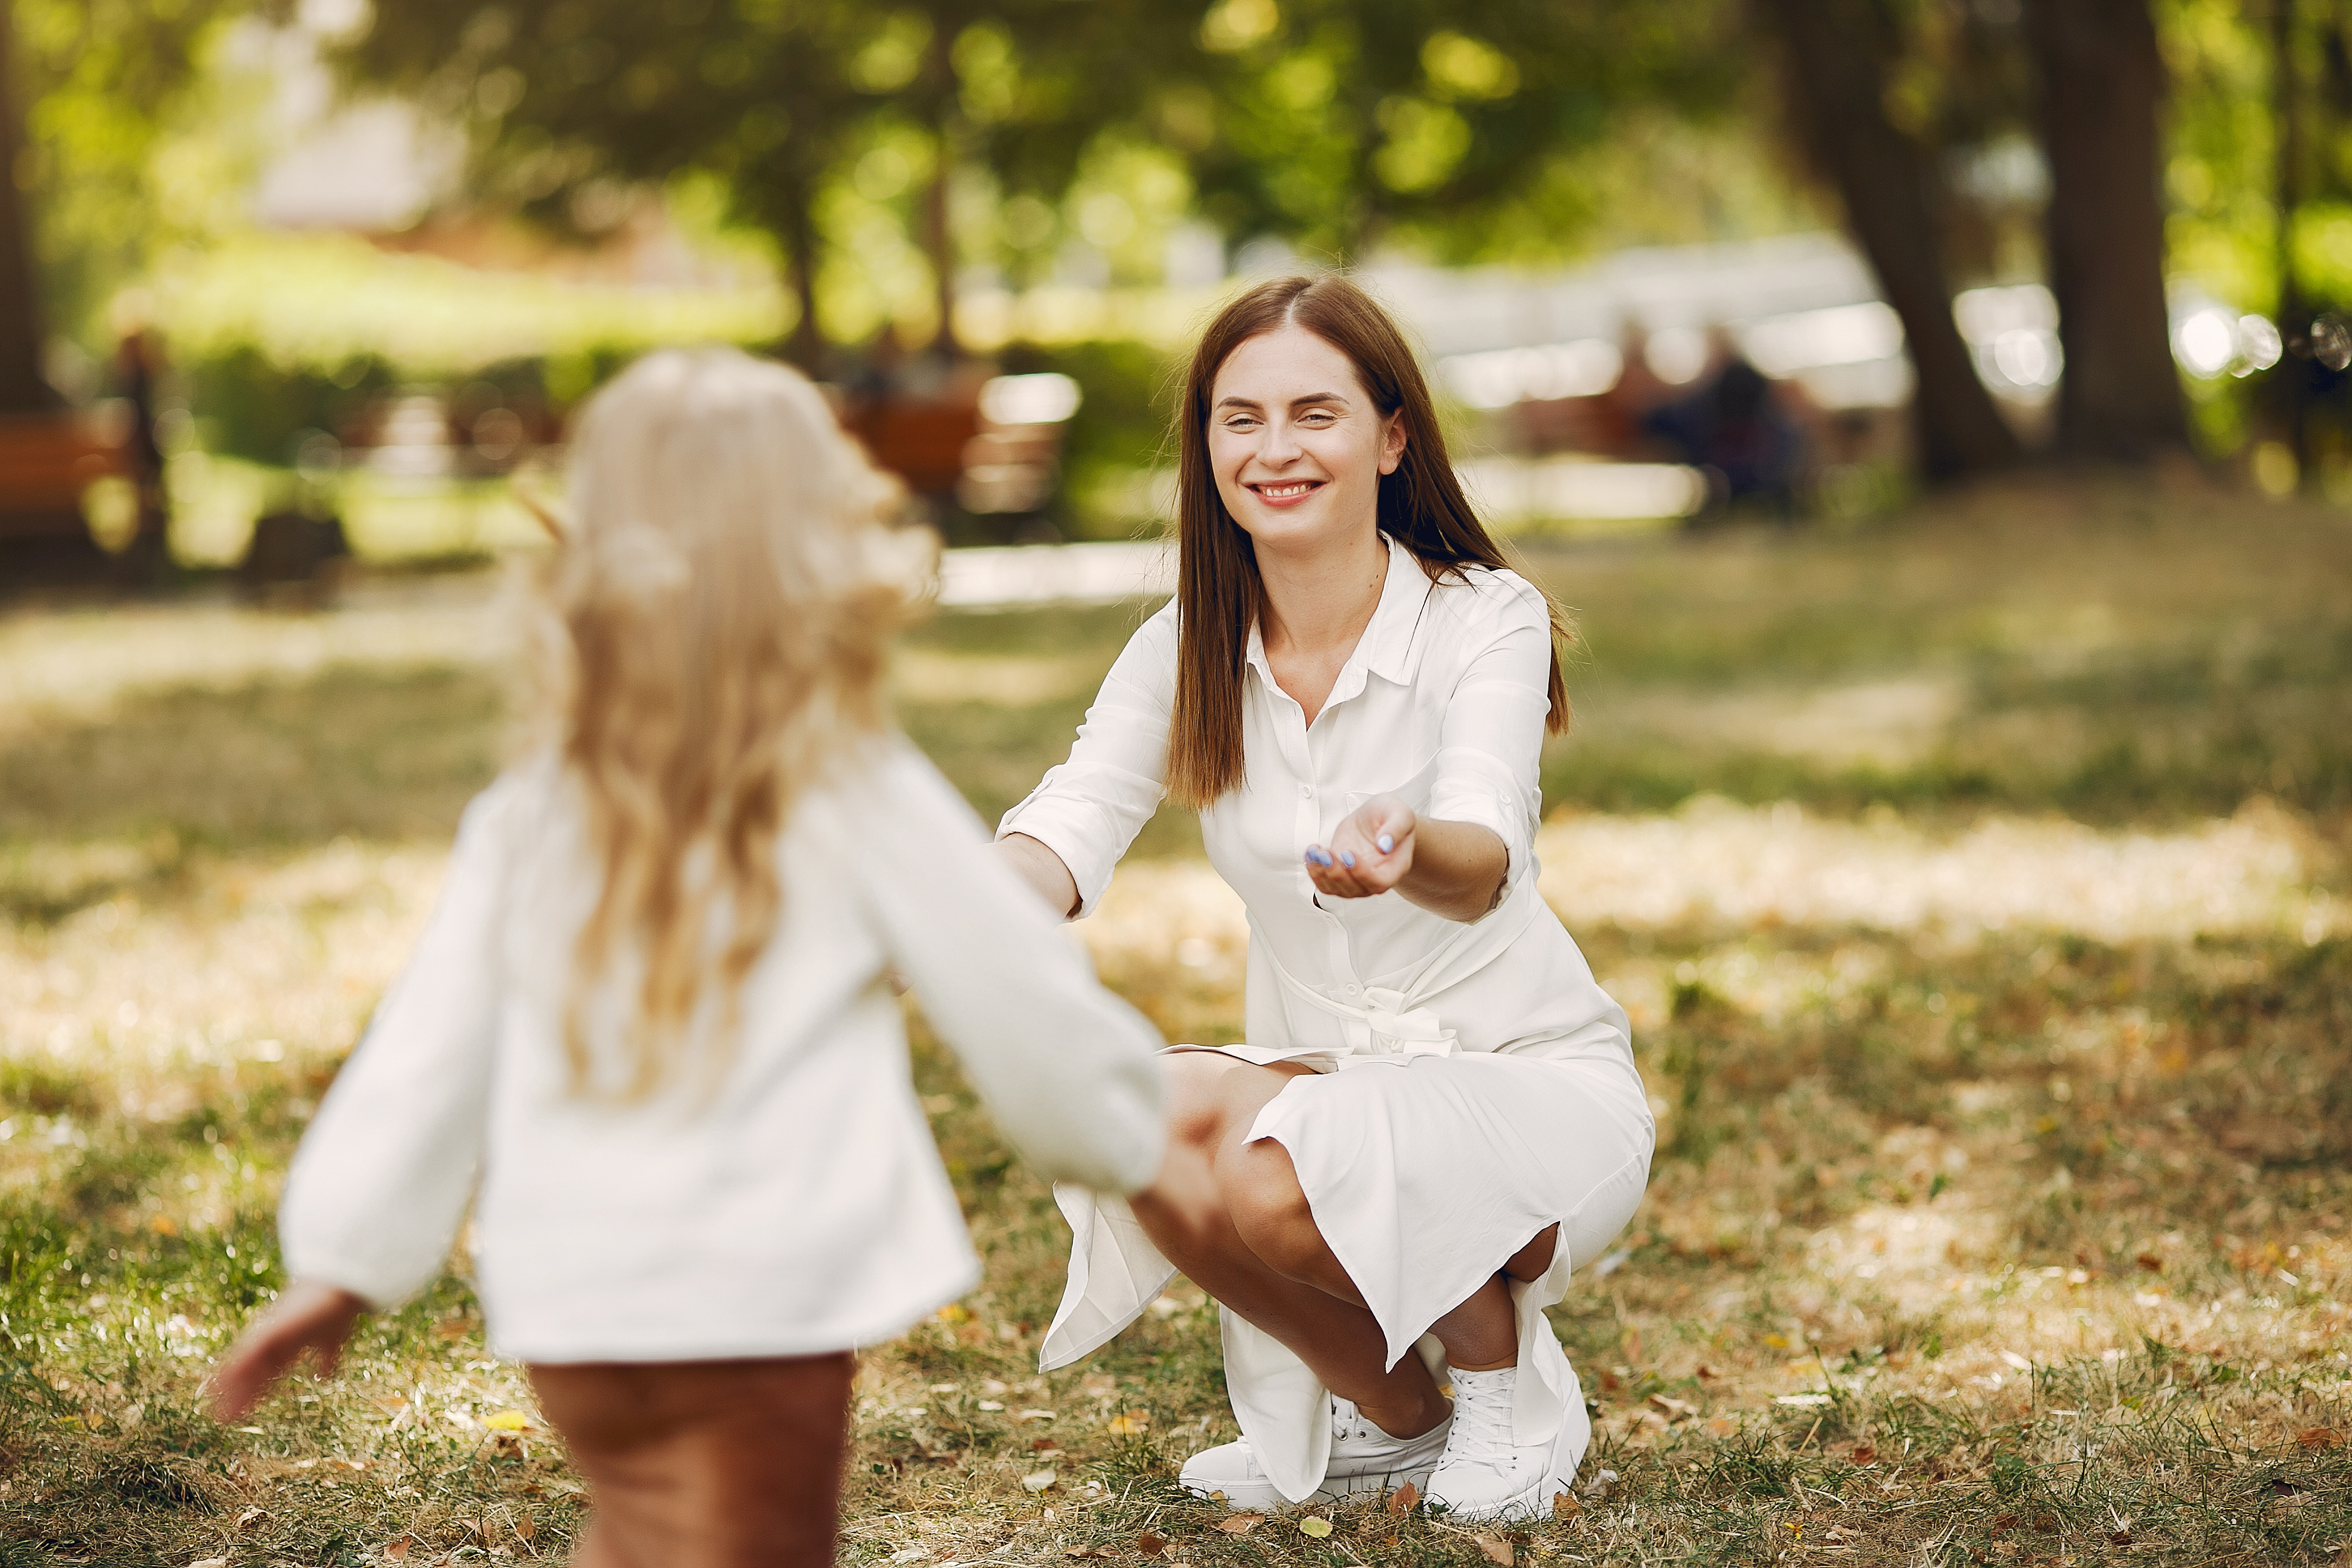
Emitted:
pixel 1279 444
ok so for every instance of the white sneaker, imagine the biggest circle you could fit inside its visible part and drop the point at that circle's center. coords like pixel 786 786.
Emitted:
pixel 1485 1475
pixel 1363 1458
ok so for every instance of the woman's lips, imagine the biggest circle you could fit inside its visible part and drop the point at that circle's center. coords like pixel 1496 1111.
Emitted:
pixel 1290 492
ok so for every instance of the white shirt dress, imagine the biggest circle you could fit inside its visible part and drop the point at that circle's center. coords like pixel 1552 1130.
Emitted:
pixel 791 1204
pixel 1474 1084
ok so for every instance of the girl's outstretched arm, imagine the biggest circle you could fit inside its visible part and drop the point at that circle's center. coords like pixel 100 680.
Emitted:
pixel 1067 1068
pixel 310 1317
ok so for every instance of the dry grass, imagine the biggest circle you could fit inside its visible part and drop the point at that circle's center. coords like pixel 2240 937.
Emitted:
pixel 2000 1209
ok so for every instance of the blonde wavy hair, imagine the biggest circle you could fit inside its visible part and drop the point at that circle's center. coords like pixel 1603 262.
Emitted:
pixel 714 628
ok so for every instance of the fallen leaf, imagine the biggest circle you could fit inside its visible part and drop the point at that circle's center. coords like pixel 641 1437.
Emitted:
pixel 1150 1543
pixel 525 1529
pixel 1098 1385
pixel 2318 1437
pixel 1563 1506
pixel 1497 1549
pixel 2120 1537
pixel 508 1421
pixel 1705 1371
pixel 1088 1552
pixel 2151 1262
pixel 1032 1415
pixel 1722 1426
pixel 1807 1400
pixel 1402 1499
pixel 397 1550
pixel 1317 1527
pixel 1676 1409
pixel 164 1225
pixel 1241 1523
pixel 209 1562
pixel 1128 1423
pixel 251 1516
pixel 1038 1480
pixel 1864 1454
pixel 992 1404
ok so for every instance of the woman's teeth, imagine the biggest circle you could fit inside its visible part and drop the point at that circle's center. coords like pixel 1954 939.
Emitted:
pixel 1283 492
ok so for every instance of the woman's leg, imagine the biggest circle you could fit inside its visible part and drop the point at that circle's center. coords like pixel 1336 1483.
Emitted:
pixel 729 1464
pixel 1264 1257
pixel 1482 1334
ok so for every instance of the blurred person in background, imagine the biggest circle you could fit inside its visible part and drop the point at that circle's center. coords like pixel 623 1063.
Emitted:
pixel 647 1030
pixel 1437 1115
pixel 1735 429
pixel 138 370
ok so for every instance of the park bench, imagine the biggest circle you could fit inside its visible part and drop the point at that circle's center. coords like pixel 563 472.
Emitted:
pixel 48 463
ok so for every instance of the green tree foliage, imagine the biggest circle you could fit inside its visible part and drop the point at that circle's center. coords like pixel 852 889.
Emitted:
pixel 567 98
pixel 1342 123
pixel 101 87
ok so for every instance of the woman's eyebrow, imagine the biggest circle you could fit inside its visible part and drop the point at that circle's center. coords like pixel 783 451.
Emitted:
pixel 1295 402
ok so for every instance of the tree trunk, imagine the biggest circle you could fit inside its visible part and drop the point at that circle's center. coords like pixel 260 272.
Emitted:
pixel 2102 85
pixel 23 388
pixel 1836 52
pixel 938 233
pixel 2293 376
pixel 797 228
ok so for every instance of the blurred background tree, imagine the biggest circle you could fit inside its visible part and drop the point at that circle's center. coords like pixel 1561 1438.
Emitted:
pixel 91 93
pixel 2146 158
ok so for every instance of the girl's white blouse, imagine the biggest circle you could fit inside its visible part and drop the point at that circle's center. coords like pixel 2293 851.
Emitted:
pixel 1441 703
pixel 791 1200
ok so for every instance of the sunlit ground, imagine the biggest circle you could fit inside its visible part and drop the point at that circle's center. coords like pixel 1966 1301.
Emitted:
pixel 1976 886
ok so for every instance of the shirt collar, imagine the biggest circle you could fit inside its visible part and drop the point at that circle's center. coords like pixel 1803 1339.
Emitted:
pixel 1388 644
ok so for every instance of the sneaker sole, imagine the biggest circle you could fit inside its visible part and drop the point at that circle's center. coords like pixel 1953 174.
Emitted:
pixel 1262 1497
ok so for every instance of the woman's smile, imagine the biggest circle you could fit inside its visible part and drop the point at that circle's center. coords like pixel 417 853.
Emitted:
pixel 1285 493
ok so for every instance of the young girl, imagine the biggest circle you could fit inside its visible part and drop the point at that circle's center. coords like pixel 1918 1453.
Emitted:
pixel 648 1031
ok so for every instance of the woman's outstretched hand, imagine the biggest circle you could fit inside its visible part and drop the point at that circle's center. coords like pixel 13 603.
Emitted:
pixel 1371 853
pixel 308 1317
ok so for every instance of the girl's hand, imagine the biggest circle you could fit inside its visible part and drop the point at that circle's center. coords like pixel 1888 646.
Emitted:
pixel 1368 855
pixel 308 1317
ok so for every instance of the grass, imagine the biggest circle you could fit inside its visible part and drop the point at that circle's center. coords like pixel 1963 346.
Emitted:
pixel 1977 884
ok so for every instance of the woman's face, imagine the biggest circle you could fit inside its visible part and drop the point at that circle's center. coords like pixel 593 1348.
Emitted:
pixel 1295 443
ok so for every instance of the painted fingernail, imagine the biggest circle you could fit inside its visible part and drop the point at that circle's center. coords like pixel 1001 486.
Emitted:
pixel 1347 860
pixel 1387 843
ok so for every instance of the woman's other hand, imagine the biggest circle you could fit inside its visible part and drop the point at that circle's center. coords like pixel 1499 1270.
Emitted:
pixel 1371 853
pixel 308 1317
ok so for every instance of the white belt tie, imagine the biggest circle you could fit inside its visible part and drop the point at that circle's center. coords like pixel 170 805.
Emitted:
pixel 1393 1025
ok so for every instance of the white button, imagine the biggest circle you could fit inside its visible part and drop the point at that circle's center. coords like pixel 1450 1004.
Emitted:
pixel 1306 792
pixel 1351 991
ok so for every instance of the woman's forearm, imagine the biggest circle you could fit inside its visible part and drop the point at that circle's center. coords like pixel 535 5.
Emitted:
pixel 1038 866
pixel 1457 869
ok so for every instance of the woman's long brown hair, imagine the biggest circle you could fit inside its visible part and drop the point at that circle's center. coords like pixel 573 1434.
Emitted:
pixel 1422 506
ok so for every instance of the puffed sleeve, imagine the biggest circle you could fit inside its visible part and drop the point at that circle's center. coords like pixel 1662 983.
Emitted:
pixel 1068 1070
pixel 1490 746
pixel 1089 809
pixel 383 1176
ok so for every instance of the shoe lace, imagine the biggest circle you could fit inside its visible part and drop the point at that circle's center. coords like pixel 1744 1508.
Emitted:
pixel 1347 1422
pixel 1482 1421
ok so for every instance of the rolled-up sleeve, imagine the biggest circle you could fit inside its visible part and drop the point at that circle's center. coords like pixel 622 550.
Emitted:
pixel 1490 747
pixel 383 1176
pixel 1089 809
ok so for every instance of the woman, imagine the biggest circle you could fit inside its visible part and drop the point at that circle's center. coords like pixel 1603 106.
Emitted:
pixel 1437 1113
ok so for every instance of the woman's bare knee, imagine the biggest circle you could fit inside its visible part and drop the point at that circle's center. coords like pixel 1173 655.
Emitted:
pixel 1530 1261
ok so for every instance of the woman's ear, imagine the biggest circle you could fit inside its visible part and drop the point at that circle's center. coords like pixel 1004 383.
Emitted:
pixel 1392 442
